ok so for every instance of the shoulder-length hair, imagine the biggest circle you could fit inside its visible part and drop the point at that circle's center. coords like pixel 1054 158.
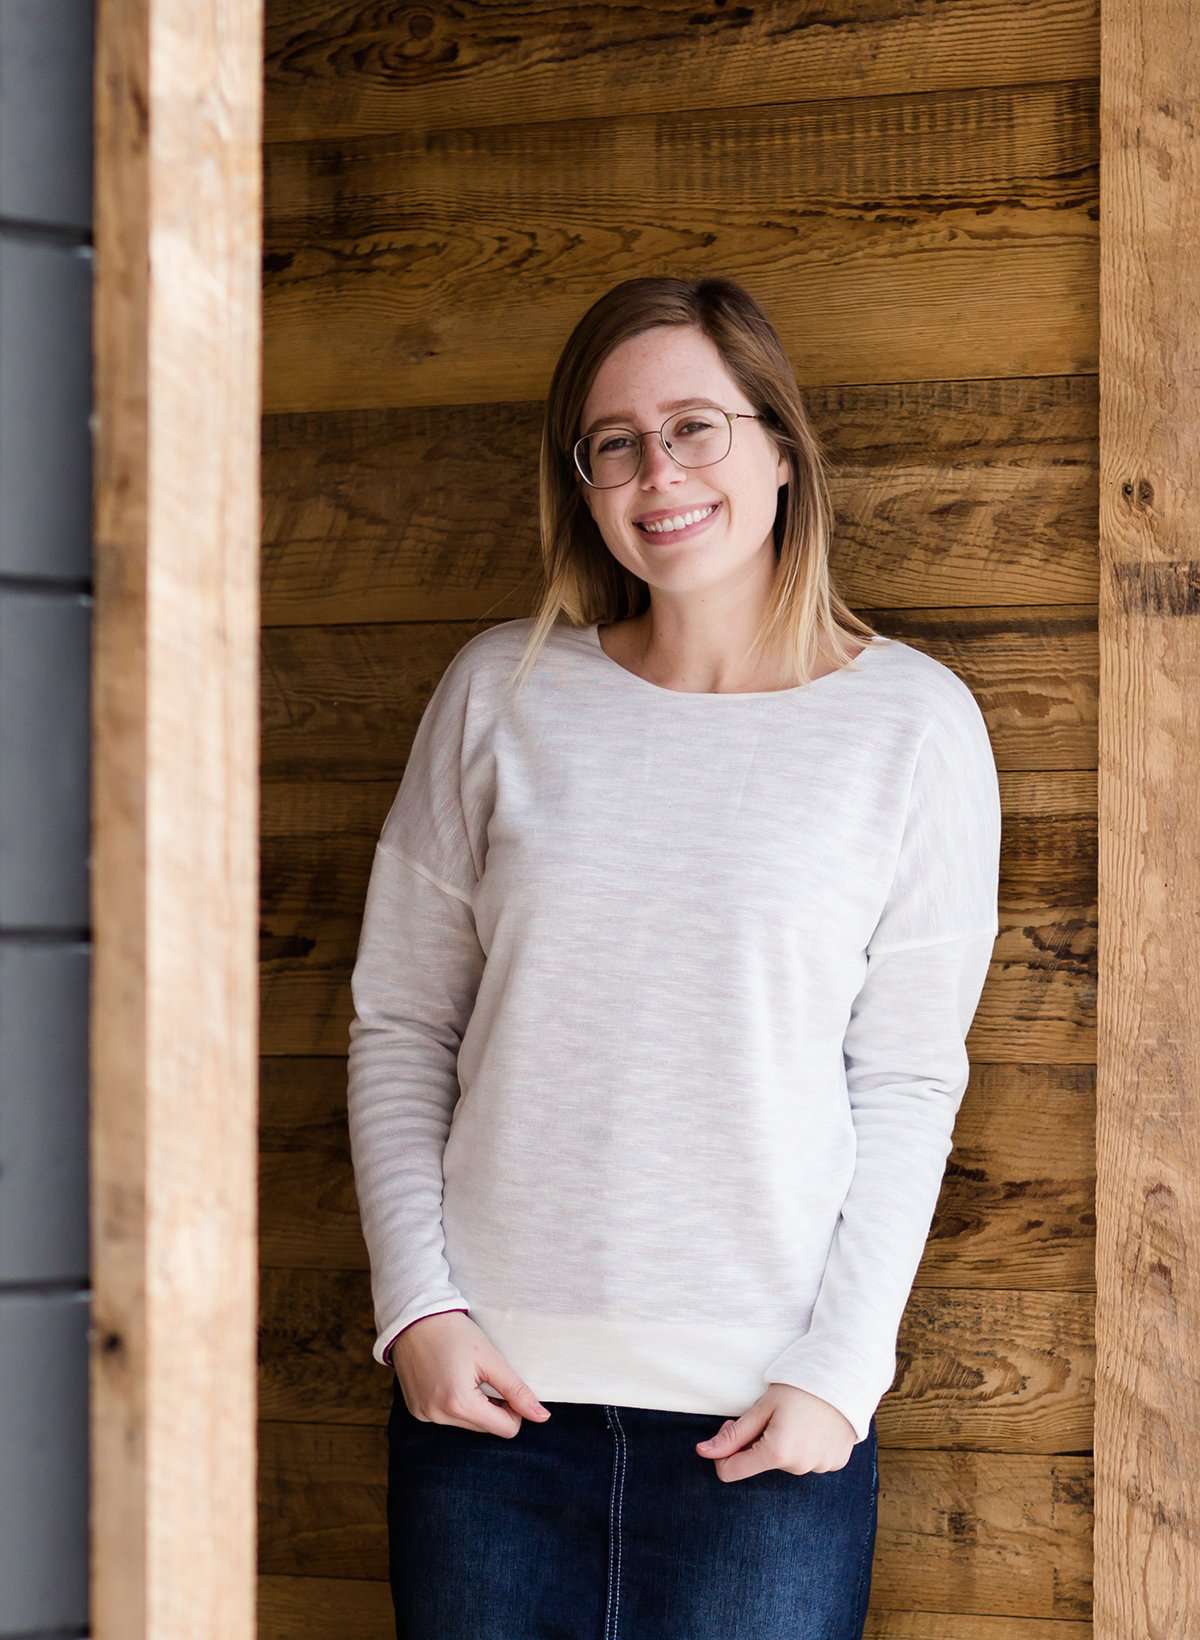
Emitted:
pixel 583 581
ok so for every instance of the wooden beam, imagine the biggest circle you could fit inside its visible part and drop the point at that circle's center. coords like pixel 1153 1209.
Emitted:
pixel 175 812
pixel 1147 1427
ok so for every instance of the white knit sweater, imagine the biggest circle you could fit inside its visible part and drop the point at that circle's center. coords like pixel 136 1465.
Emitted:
pixel 660 1007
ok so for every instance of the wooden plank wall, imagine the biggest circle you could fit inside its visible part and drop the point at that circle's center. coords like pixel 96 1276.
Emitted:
pixel 912 192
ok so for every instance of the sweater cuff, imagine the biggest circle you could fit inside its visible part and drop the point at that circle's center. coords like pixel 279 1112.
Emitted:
pixel 856 1402
pixel 387 1349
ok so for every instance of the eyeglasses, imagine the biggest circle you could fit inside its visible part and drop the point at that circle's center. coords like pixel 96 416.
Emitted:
pixel 695 437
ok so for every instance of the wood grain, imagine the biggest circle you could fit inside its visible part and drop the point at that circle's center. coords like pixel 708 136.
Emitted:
pixel 318 837
pixel 952 1525
pixel 1038 1002
pixel 1148 1073
pixel 353 1608
pixel 447 267
pixel 1016 1208
pixel 944 493
pixel 356 70
pixel 342 703
pixel 998 1370
pixel 173 1027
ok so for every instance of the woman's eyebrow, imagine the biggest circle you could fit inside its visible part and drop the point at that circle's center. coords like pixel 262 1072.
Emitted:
pixel 624 418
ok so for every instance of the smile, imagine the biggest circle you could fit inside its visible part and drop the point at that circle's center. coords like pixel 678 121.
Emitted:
pixel 685 523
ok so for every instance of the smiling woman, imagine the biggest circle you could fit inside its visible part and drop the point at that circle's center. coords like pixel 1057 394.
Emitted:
pixel 724 464
pixel 670 949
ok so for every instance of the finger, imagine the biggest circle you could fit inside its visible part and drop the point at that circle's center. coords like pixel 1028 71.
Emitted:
pixel 735 1433
pixel 517 1393
pixel 492 1417
pixel 720 1444
pixel 513 1390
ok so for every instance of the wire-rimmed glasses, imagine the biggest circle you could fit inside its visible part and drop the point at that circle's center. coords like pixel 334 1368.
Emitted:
pixel 693 437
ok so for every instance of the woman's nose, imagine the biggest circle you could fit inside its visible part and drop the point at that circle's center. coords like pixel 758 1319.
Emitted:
pixel 656 463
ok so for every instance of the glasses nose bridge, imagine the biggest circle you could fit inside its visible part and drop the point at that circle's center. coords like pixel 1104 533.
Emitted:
pixel 656 441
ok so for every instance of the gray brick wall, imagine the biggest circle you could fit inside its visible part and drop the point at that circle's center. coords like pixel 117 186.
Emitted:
pixel 46 57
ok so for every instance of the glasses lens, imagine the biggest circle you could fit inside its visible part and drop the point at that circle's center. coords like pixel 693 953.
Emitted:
pixel 609 457
pixel 698 436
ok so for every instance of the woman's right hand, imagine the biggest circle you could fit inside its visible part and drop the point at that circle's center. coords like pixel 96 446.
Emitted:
pixel 441 1360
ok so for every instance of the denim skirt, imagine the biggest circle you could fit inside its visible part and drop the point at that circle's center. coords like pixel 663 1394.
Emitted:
pixel 604 1523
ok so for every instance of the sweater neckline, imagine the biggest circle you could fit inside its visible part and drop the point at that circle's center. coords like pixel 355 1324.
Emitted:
pixel 873 647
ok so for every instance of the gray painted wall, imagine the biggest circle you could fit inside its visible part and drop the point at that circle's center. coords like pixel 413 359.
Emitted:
pixel 46 56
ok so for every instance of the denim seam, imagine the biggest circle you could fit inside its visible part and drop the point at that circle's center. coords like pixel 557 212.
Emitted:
pixel 616 1499
pixel 862 1567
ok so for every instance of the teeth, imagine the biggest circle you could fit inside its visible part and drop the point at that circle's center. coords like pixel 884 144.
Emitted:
pixel 680 521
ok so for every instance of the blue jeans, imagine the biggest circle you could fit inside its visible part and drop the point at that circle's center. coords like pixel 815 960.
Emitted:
pixel 604 1523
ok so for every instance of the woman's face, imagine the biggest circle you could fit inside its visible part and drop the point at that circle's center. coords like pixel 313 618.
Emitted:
pixel 637 384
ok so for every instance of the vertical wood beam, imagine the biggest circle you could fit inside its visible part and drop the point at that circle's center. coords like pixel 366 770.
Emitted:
pixel 1147 1426
pixel 174 1027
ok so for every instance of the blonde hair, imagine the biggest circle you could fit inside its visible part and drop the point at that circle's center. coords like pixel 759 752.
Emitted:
pixel 583 581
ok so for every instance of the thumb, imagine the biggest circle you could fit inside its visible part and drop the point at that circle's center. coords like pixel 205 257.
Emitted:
pixel 725 1437
pixel 513 1388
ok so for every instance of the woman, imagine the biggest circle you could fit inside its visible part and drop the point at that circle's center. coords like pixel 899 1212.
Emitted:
pixel 670 949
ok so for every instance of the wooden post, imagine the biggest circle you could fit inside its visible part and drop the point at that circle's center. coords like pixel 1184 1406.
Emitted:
pixel 175 817
pixel 1147 1422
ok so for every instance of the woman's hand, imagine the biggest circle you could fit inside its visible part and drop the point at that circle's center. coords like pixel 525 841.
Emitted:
pixel 787 1428
pixel 441 1360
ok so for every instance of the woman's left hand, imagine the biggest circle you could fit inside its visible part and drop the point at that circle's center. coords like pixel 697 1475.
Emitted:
pixel 787 1428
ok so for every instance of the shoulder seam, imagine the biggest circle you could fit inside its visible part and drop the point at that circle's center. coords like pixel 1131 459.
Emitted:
pixel 423 871
pixel 989 930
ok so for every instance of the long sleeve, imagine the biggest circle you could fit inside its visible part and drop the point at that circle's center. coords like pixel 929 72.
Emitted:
pixel 414 982
pixel 906 1063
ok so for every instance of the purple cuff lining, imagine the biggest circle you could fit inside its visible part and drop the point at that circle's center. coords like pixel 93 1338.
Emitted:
pixel 387 1354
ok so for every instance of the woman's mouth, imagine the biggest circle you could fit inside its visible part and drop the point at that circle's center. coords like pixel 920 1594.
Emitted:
pixel 680 525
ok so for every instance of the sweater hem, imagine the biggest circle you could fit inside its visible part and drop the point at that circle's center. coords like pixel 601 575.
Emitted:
pixel 637 1361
